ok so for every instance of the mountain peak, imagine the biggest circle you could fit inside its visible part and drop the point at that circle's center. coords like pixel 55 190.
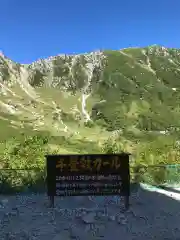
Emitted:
pixel 109 88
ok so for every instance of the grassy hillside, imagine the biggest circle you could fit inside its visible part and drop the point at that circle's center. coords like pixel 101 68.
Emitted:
pixel 101 101
pixel 141 89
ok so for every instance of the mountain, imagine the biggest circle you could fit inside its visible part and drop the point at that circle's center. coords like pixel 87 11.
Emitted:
pixel 103 101
pixel 131 92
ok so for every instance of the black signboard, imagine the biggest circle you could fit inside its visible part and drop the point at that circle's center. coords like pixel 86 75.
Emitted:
pixel 88 174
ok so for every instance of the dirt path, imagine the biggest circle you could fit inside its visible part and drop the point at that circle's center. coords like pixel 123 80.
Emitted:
pixel 152 215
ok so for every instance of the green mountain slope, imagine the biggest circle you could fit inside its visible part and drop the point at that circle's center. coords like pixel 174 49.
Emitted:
pixel 141 88
pixel 126 100
pixel 134 91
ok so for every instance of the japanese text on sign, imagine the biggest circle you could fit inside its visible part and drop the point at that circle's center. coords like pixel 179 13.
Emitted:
pixel 75 164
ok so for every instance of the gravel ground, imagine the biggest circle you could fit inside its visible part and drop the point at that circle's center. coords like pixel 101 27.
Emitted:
pixel 152 215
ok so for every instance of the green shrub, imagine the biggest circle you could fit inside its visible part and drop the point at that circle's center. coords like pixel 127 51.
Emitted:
pixel 29 153
pixel 89 124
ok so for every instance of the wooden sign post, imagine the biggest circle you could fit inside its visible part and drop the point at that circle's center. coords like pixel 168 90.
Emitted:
pixel 88 174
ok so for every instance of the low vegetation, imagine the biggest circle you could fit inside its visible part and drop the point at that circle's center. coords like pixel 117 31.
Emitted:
pixel 26 158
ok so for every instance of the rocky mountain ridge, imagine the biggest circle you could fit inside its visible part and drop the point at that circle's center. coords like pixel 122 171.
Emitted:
pixel 133 89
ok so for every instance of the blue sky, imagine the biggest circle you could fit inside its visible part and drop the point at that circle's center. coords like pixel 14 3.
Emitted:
pixel 39 28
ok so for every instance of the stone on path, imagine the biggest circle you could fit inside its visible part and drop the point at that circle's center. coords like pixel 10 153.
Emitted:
pixel 65 235
pixel 89 218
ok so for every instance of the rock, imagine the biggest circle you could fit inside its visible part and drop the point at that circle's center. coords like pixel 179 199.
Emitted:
pixel 4 202
pixel 79 234
pixel 121 219
pixel 23 235
pixel 5 218
pixel 89 218
pixel 83 213
pixel 124 221
pixel 102 217
pixel 13 213
pixel 10 236
pixel 62 236
pixel 112 218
